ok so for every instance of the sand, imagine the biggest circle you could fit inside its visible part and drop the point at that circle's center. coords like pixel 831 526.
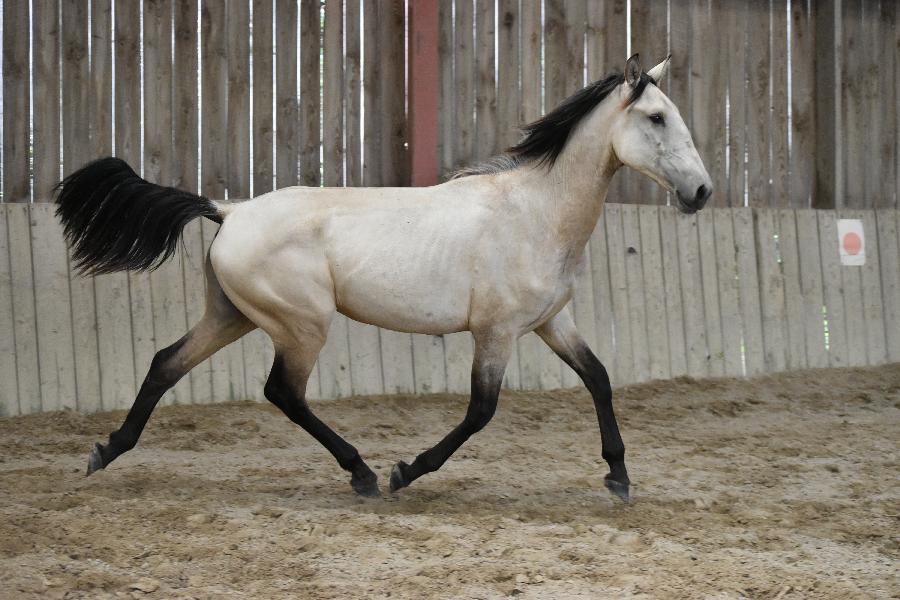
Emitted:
pixel 776 487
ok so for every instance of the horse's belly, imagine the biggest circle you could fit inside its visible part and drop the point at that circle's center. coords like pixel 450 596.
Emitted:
pixel 404 303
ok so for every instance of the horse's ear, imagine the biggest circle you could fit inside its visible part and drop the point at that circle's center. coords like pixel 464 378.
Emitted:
pixel 633 70
pixel 658 72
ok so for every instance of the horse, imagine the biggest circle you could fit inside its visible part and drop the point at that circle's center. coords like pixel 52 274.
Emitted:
pixel 493 251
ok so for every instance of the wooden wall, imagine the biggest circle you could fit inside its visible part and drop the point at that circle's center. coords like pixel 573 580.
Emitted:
pixel 729 291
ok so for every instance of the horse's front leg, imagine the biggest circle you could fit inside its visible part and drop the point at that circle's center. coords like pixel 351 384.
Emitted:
pixel 560 334
pixel 492 350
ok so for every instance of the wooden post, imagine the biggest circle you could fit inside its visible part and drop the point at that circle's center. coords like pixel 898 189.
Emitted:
pixel 424 78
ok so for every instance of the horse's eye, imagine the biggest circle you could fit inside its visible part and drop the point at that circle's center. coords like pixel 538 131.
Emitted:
pixel 657 119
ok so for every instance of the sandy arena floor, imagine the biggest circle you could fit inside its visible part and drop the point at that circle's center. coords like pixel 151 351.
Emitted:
pixel 779 487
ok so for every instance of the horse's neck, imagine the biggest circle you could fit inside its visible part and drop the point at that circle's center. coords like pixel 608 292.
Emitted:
pixel 570 196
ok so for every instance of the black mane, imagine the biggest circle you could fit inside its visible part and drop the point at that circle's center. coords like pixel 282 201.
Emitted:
pixel 544 140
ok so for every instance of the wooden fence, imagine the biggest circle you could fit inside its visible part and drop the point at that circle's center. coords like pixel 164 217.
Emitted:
pixel 724 292
pixel 792 103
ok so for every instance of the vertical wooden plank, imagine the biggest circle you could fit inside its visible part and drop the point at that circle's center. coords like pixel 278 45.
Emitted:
pixel 729 302
pixel 757 105
pixel 53 316
pixel 286 142
pixel 854 111
pixel 890 279
pixel 692 285
pixel 428 364
pixel 9 393
pixel 365 359
pixel 778 65
pixel 828 127
pixel 185 101
pixel 793 294
pixel 16 98
pixel 671 272
pixel 532 88
pixel 872 303
pixel 75 84
pixel 397 362
pixel 464 85
pixel 447 98
pixel 508 60
pixel 555 58
pixel 748 283
pixel 803 110
pixel 832 274
pixel 167 282
pixel 128 83
pixel 310 99
pixel 637 314
pixel 263 167
pixel 735 19
pixel 333 95
pixel 771 289
pixel 371 92
pixel 353 91
pixel 596 32
pixel 654 292
pixel 811 287
pixel 851 291
pixel 679 76
pixel 46 89
pixel 711 305
pixel 393 155
pixel 23 309
pixel 114 340
pixel 485 83
pixel 709 85
pixel 884 100
pixel 603 304
pixel 458 352
pixel 623 367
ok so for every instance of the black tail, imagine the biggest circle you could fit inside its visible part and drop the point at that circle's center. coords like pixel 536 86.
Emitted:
pixel 116 221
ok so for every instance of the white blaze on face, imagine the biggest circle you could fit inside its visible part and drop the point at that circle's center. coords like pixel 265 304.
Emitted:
pixel 652 138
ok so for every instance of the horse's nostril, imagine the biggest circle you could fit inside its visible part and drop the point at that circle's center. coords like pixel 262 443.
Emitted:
pixel 703 193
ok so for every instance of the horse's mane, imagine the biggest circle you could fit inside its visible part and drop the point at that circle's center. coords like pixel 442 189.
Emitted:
pixel 543 140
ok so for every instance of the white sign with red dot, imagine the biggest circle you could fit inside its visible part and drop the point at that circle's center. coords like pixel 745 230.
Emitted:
pixel 852 242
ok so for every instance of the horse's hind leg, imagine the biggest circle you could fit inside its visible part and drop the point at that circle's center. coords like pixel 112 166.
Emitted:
pixel 221 324
pixel 286 389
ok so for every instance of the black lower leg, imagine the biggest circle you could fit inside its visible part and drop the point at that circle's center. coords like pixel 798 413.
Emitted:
pixel 283 395
pixel 482 405
pixel 163 374
pixel 596 379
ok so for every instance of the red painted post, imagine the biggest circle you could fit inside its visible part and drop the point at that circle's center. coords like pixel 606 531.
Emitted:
pixel 424 79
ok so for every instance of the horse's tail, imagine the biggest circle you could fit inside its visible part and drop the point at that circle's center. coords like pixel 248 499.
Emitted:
pixel 116 221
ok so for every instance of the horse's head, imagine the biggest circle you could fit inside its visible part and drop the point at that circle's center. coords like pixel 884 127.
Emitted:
pixel 651 137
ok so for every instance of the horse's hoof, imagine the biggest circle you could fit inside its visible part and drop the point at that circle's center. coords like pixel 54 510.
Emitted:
pixel 398 479
pixel 366 486
pixel 618 488
pixel 95 460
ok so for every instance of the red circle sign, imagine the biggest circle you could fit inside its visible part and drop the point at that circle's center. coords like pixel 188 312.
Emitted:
pixel 852 244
